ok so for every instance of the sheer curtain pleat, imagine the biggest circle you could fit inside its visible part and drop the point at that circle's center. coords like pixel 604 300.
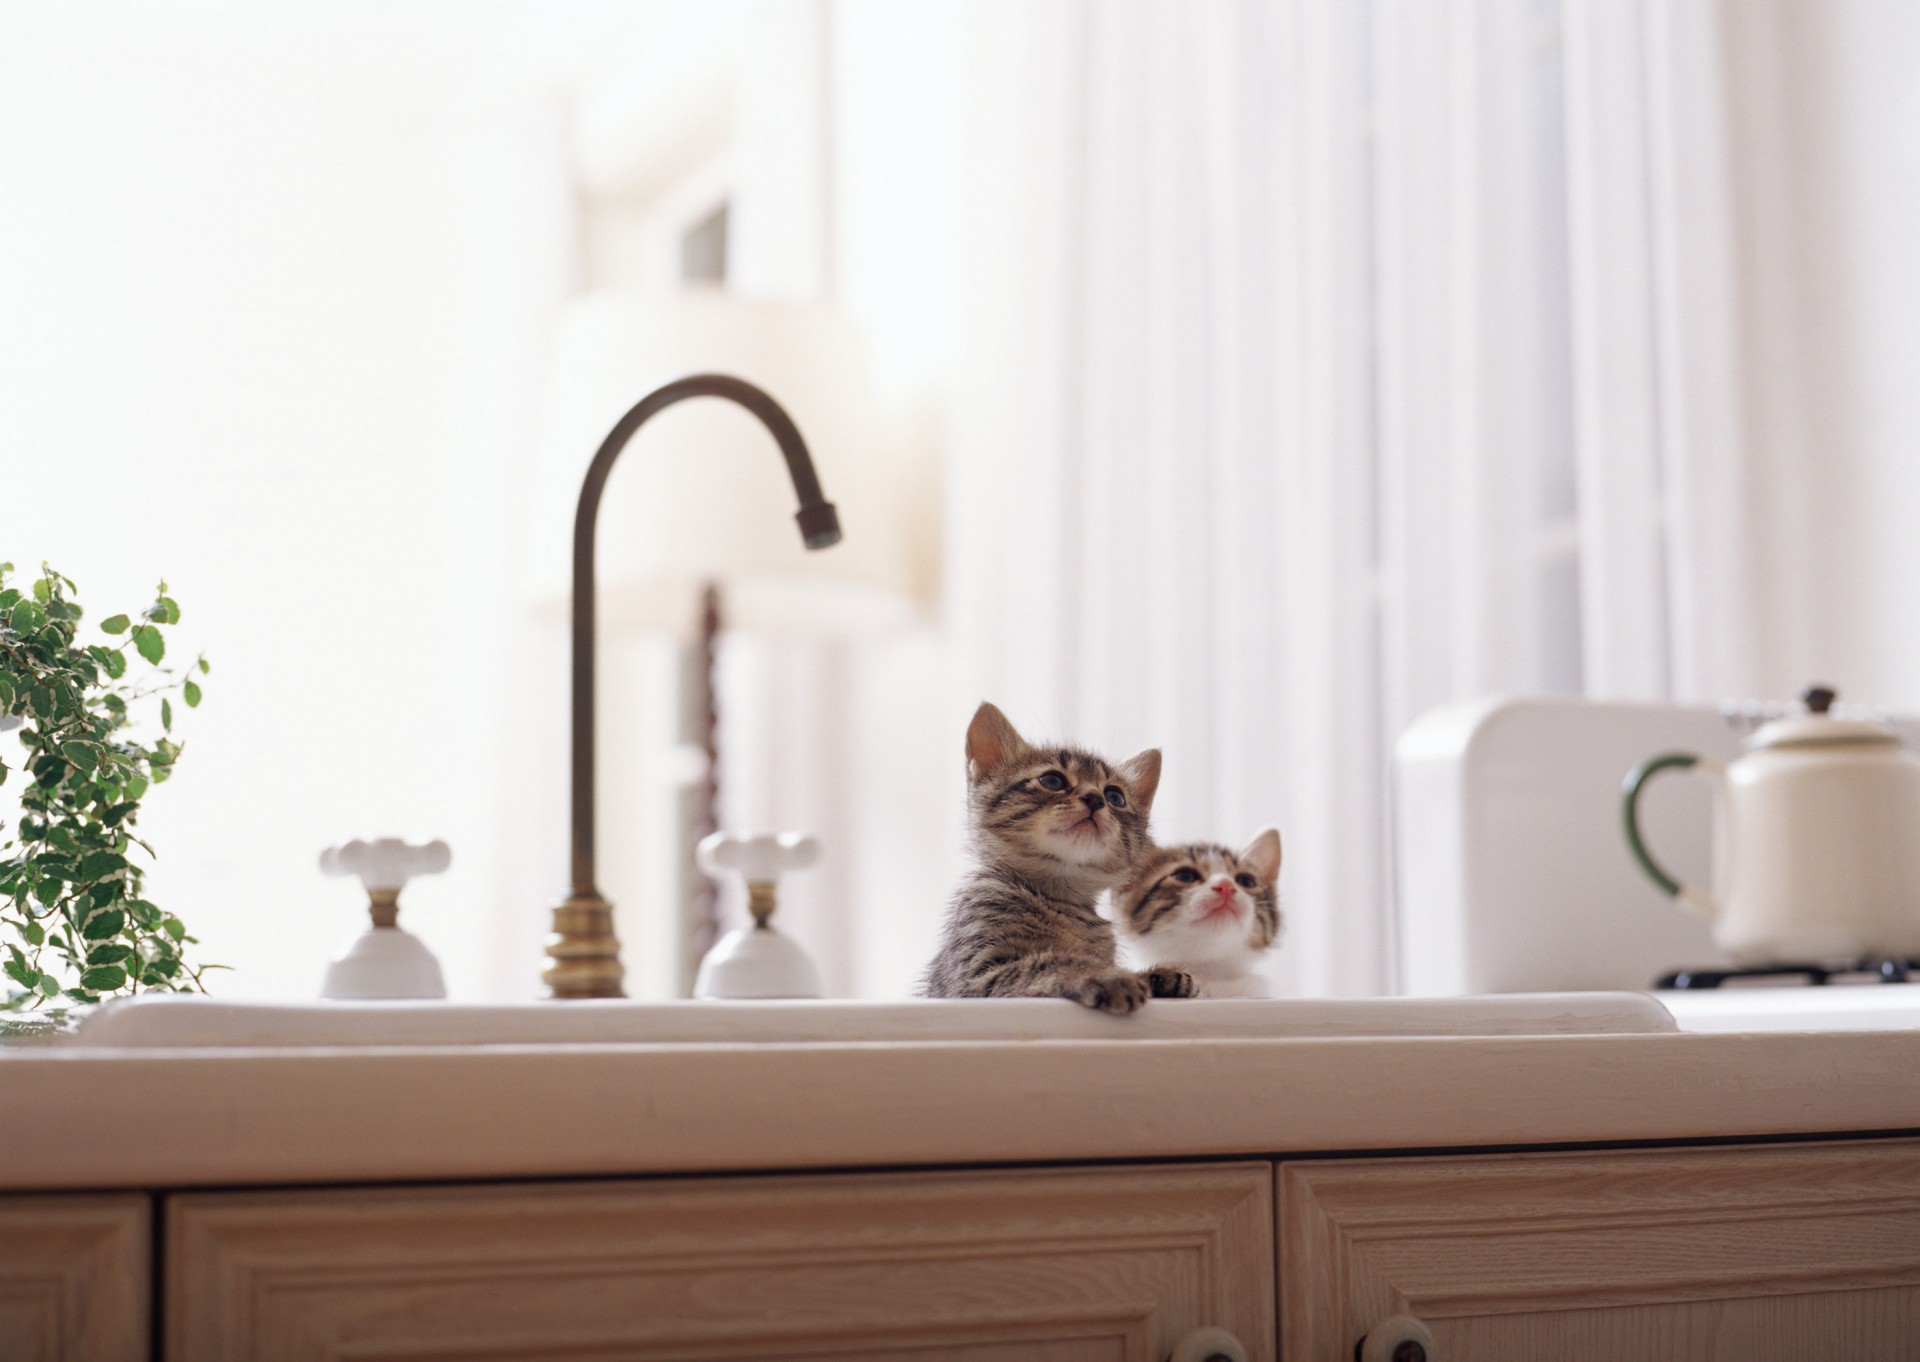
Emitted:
pixel 1616 371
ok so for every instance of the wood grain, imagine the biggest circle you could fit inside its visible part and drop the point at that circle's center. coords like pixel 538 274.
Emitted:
pixel 74 1274
pixel 1074 1264
pixel 1749 1253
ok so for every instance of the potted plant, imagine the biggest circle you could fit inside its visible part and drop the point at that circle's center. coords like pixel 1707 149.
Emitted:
pixel 82 755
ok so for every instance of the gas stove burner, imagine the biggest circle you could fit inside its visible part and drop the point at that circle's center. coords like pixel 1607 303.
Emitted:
pixel 1884 971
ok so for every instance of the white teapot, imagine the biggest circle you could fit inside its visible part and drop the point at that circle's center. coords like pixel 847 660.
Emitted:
pixel 1816 842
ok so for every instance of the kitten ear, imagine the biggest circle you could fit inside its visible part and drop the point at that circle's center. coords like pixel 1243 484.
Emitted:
pixel 1262 856
pixel 991 742
pixel 1143 774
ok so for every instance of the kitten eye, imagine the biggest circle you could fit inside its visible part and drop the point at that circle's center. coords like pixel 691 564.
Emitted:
pixel 1054 781
pixel 1186 874
pixel 1115 798
pixel 1245 881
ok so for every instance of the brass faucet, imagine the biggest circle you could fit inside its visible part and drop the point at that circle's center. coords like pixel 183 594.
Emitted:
pixel 583 948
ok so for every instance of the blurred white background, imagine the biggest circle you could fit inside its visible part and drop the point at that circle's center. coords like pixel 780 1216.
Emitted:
pixel 1250 377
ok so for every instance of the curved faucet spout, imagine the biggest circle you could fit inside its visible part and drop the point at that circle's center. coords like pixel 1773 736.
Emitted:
pixel 584 948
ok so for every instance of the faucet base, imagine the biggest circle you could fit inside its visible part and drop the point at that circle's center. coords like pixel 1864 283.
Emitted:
pixel 584 950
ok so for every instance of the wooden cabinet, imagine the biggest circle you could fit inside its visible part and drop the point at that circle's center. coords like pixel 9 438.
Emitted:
pixel 1087 1263
pixel 74 1275
pixel 1788 1252
pixel 1785 1251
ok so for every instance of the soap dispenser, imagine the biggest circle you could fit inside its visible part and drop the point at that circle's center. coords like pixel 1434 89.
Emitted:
pixel 385 961
pixel 758 961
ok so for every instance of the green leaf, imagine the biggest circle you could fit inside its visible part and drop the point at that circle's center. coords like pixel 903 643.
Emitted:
pixel 42 590
pixel 49 986
pixel 174 928
pixel 104 979
pixel 7 692
pixel 103 925
pixel 166 715
pixel 84 755
pixel 97 865
pixel 112 953
pixel 116 665
pixel 33 933
pixel 147 639
pixel 205 666
pixel 27 617
pixel 170 608
pixel 191 693
pixel 21 972
pixel 115 624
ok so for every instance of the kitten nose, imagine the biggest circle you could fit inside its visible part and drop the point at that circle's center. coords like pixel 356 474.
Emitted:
pixel 1094 801
pixel 1223 886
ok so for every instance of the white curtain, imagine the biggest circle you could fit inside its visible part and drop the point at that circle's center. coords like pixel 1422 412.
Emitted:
pixel 1333 360
pixel 1163 489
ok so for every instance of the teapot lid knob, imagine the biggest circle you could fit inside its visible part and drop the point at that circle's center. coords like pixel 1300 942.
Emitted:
pixel 1818 699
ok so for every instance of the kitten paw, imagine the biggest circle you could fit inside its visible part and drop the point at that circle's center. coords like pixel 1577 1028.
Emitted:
pixel 1115 993
pixel 1171 983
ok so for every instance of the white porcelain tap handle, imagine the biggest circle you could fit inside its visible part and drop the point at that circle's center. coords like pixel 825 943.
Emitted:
pixel 761 859
pixel 386 862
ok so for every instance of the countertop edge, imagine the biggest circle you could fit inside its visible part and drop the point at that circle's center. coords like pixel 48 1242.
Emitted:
pixel 73 1119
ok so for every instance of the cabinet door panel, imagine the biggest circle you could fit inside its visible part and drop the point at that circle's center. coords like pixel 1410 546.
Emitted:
pixel 1882 1325
pixel 1072 1265
pixel 1780 1252
pixel 74 1273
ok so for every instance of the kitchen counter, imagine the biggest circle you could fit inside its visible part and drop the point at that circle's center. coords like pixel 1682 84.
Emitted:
pixel 77 1117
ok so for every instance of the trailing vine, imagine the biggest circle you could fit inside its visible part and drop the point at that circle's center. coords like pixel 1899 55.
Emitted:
pixel 74 923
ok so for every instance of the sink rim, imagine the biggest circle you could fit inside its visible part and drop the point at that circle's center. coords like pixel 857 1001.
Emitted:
pixel 193 1022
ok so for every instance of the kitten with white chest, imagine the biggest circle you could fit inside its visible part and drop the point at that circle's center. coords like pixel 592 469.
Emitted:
pixel 1052 828
pixel 1206 911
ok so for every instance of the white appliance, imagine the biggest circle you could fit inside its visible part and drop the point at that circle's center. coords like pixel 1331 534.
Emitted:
pixel 1514 873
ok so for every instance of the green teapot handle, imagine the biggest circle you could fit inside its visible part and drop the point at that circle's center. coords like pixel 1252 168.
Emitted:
pixel 1630 813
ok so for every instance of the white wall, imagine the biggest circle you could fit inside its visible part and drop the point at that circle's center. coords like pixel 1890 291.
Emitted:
pixel 249 341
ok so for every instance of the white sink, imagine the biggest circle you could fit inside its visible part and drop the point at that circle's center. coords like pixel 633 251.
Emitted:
pixel 1830 1007
pixel 172 1021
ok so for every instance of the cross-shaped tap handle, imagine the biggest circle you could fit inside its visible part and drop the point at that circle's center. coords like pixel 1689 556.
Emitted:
pixel 386 863
pixel 760 860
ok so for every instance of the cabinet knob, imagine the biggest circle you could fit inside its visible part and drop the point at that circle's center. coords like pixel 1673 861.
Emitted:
pixel 1399 1338
pixel 1208 1345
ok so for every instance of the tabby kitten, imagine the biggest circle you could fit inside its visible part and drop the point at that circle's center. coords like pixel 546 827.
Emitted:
pixel 1051 829
pixel 1203 910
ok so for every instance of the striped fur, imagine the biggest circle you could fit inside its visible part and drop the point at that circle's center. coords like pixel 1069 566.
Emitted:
pixel 1207 911
pixel 1022 922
